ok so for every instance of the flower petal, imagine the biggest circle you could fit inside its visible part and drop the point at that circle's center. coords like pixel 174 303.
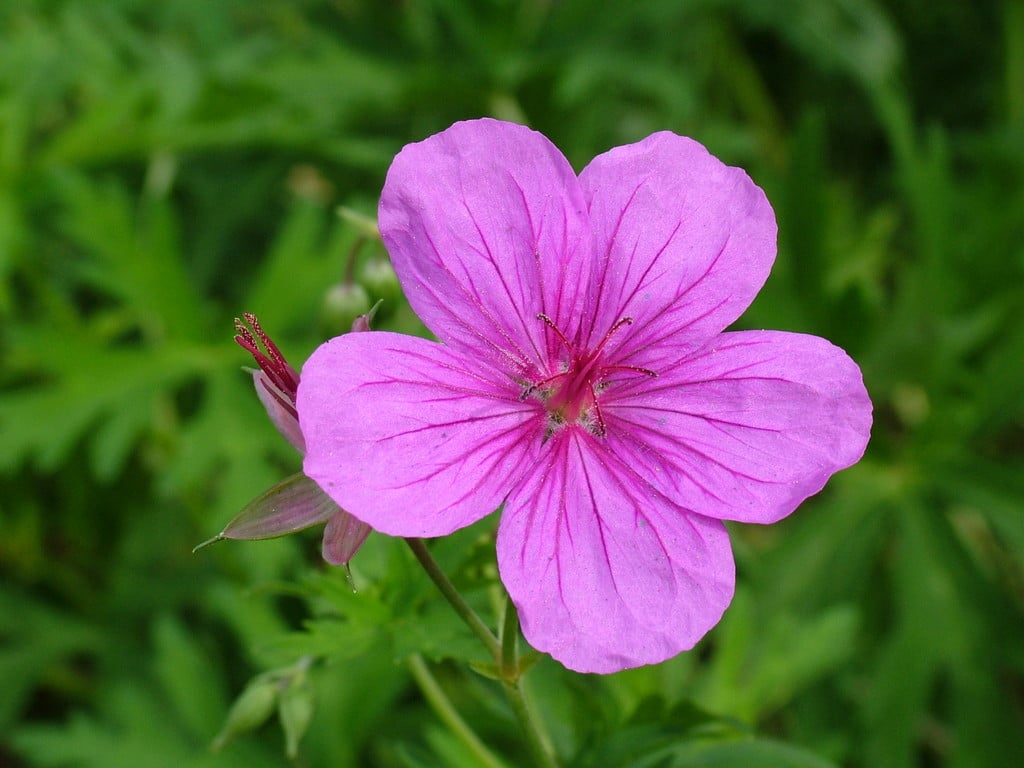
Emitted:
pixel 606 573
pixel 683 243
pixel 281 416
pixel 407 435
pixel 747 428
pixel 486 227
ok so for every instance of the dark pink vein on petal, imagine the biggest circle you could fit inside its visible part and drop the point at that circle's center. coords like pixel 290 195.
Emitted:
pixel 628 469
pixel 687 446
pixel 661 318
pixel 606 261
pixel 495 446
pixel 514 353
pixel 516 304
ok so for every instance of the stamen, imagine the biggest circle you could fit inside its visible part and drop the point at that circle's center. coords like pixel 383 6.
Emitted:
pixel 266 354
pixel 597 411
pixel 283 400
pixel 551 324
pixel 634 368
pixel 272 350
pixel 577 399
pixel 539 384
pixel 611 331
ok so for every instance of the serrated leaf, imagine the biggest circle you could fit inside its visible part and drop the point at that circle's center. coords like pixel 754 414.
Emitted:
pixel 188 677
pixel 45 422
pixel 325 638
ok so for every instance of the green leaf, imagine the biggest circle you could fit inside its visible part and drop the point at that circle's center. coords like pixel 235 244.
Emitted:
pixel 188 676
pixel 755 753
pixel 36 640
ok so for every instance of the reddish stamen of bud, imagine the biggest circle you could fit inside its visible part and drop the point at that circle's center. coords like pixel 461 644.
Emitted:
pixel 254 340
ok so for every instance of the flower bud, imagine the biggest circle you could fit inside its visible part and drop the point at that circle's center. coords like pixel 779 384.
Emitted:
pixel 343 303
pixel 250 710
pixel 295 709
pixel 380 280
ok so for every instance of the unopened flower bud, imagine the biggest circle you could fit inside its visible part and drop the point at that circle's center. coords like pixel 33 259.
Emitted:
pixel 343 303
pixel 362 323
pixel 380 280
pixel 292 505
pixel 295 709
pixel 250 710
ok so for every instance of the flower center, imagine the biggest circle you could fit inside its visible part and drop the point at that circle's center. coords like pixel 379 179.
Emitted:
pixel 572 395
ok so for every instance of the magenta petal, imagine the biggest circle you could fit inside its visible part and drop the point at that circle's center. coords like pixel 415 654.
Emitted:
pixel 683 243
pixel 343 536
pixel 281 415
pixel 606 573
pixel 747 428
pixel 407 436
pixel 486 226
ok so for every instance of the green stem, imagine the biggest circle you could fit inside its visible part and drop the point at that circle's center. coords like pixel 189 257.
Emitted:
pixel 442 706
pixel 543 755
pixel 540 745
pixel 510 642
pixel 504 654
pixel 467 614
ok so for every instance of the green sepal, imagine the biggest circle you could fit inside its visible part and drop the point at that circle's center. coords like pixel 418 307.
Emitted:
pixel 251 709
pixel 292 505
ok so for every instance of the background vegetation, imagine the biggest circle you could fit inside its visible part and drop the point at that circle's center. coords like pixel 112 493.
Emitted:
pixel 165 166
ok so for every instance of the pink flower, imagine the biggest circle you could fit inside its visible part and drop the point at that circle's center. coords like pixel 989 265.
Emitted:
pixel 297 502
pixel 583 382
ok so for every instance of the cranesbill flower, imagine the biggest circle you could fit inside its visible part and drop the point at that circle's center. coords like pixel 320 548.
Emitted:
pixel 583 381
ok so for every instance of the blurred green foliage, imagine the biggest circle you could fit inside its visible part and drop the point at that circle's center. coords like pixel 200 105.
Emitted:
pixel 165 166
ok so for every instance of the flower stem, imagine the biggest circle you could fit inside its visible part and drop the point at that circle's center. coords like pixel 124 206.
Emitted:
pixel 512 680
pixel 510 642
pixel 543 755
pixel 504 653
pixel 467 614
pixel 442 706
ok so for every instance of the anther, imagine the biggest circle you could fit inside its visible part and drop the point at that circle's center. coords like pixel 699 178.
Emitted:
pixel 540 384
pixel 634 368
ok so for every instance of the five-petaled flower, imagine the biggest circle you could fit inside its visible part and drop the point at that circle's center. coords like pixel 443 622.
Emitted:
pixel 583 381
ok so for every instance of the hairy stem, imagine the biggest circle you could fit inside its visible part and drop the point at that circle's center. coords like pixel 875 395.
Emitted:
pixel 512 680
pixel 444 709
pixel 504 653
pixel 467 614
